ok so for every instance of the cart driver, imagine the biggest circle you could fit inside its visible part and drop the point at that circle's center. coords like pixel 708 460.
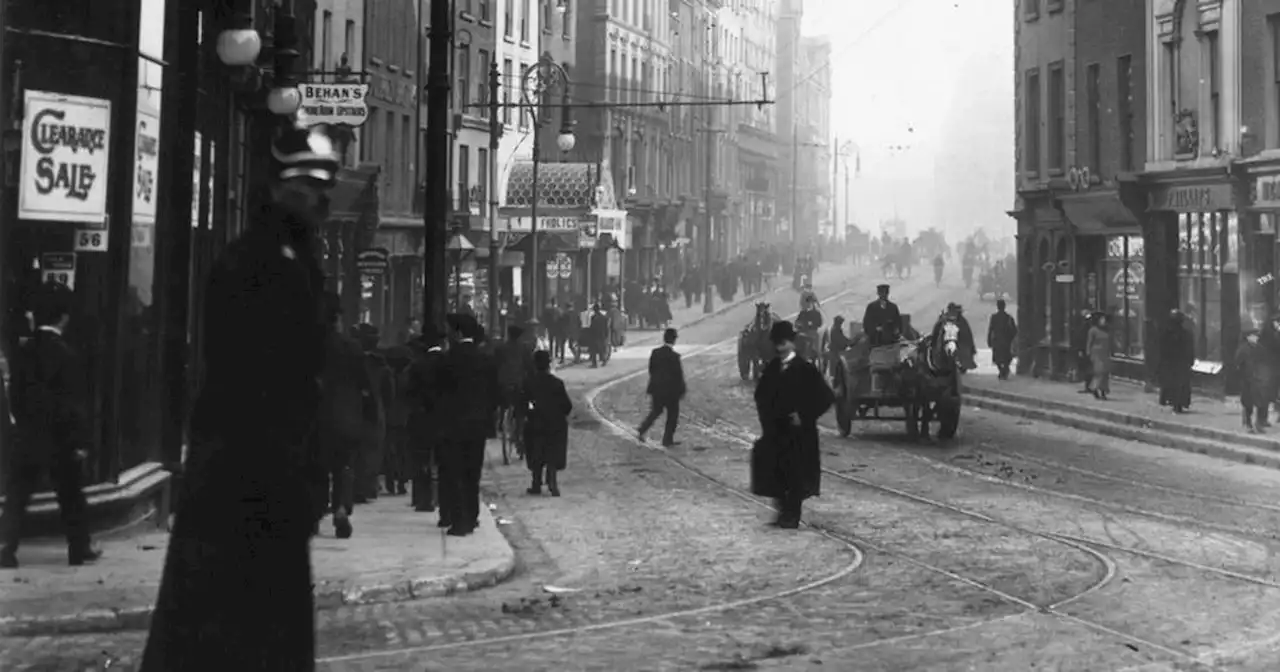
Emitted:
pixel 882 322
pixel 810 317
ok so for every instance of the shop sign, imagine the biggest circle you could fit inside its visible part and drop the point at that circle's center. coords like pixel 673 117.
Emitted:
pixel 565 264
pixel 1202 198
pixel 522 224
pixel 1266 191
pixel 333 104
pixel 1128 282
pixel 65 158
pixel 588 235
pixel 373 261
pixel 91 240
pixel 146 165
pixel 59 267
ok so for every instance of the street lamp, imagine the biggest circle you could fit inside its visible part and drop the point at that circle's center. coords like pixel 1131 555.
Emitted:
pixel 538 80
pixel 239 46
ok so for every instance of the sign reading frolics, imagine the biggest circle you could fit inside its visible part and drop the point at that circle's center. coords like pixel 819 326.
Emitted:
pixel 333 104
pixel 66 142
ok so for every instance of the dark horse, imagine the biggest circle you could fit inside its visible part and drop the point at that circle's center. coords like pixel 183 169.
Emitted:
pixel 754 347
pixel 936 370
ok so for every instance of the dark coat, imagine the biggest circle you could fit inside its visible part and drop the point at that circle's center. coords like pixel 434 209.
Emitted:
pixel 236 593
pixel 423 388
pixel 48 402
pixel 1177 355
pixel 1002 333
pixel 469 392
pixel 786 456
pixel 1257 373
pixel 881 322
pixel 547 426
pixel 666 374
pixel 346 383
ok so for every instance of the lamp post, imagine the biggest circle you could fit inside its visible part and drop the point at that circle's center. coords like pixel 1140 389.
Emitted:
pixel 538 80
pixel 239 46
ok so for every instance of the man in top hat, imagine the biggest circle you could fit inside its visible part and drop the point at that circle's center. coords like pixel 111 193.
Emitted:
pixel 469 398
pixel 882 321
pixel 245 515
pixel 791 396
pixel 52 428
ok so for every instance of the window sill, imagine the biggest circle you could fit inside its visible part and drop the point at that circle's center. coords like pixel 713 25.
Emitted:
pixel 525 44
pixel 486 23
pixel 1032 17
pixel 508 39
pixel 1056 172
pixel 467 16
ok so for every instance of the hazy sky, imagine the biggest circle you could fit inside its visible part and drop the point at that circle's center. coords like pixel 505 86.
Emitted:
pixel 893 63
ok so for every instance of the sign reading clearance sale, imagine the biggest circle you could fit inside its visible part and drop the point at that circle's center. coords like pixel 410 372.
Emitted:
pixel 65 153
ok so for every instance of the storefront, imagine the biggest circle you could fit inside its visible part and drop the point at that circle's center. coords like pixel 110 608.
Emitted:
pixel 131 165
pixel 1259 291
pixel 1045 281
pixel 1108 272
pixel 1201 270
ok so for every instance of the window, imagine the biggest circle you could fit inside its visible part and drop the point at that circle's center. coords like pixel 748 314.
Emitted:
pixel 566 18
pixel 1213 60
pixel 464 177
pixel 349 42
pixel 1052 6
pixel 633 77
pixel 546 15
pixel 1170 74
pixel 1058 117
pixel 506 90
pixel 482 86
pixel 509 10
pixel 484 10
pixel 326 42
pixel 1123 283
pixel 408 156
pixel 1094 110
pixel 524 111
pixel 389 154
pixel 1124 110
pixel 1031 125
pixel 482 172
pixel 1202 254
pixel 1273 139
pixel 369 138
pixel 525 15
pixel 463 68
pixel 613 75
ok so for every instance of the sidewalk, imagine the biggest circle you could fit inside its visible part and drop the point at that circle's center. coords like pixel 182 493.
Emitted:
pixel 396 554
pixel 1212 427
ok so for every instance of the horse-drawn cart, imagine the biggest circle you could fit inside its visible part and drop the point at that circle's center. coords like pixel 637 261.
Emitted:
pixel 917 376
pixel 754 347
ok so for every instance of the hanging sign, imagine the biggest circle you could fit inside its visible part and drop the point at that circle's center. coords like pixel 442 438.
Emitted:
pixel 59 267
pixel 64 158
pixel 146 165
pixel 91 240
pixel 333 104
pixel 373 261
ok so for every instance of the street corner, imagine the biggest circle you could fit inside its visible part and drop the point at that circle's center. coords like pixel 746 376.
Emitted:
pixel 398 554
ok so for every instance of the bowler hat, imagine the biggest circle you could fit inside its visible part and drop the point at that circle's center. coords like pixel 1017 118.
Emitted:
pixel 882 288
pixel 782 331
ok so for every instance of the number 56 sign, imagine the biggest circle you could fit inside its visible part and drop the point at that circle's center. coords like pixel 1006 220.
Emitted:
pixel 91 240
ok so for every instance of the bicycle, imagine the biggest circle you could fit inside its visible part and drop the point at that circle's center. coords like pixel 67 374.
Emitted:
pixel 511 430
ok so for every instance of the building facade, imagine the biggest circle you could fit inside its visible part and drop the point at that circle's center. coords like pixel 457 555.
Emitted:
pixel 789 74
pixel 756 127
pixel 813 136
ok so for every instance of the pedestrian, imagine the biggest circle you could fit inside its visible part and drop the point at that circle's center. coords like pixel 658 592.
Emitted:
pixel 546 431
pixel 396 463
pixel 469 397
pixel 1002 332
pixel 1099 346
pixel 515 366
pixel 236 589
pixel 425 422
pixel 1177 356
pixel 1080 338
pixel 377 400
pixel 51 429
pixel 599 336
pixel 666 388
pixel 790 397
pixel 1258 381
pixel 340 423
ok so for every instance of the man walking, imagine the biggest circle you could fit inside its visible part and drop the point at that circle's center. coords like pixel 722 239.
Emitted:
pixel 469 399
pixel 666 387
pixel 425 423
pixel 52 429
pixel 341 421
pixel 1002 331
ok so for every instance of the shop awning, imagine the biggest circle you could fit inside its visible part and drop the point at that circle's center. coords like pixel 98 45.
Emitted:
pixel 563 189
pixel 1098 212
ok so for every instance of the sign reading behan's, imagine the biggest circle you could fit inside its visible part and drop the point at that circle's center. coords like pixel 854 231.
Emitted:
pixel 66 140
pixel 333 104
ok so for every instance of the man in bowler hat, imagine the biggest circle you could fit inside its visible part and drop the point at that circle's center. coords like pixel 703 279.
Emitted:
pixel 469 399
pixel 666 387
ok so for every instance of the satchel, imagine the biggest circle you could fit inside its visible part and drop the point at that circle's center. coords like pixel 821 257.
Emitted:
pixel 764 480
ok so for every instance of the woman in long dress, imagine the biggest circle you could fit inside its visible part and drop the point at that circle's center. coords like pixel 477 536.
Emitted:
pixel 1098 345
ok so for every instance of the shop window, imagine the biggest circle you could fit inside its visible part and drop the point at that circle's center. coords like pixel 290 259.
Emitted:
pixel 1202 256
pixel 1124 285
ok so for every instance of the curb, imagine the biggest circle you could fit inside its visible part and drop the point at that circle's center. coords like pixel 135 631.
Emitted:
pixel 330 597
pixel 1142 430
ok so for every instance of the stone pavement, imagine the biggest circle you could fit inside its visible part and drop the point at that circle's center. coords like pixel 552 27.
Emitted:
pixel 1212 426
pixel 396 554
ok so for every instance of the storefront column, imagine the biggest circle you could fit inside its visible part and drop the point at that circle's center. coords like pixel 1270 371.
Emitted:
pixel 1160 236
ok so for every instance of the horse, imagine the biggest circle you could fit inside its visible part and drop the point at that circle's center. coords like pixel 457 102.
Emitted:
pixel 754 347
pixel 936 377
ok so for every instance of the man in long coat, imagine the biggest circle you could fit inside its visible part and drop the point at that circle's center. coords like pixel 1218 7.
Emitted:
pixel 666 388
pixel 1002 331
pixel 1177 356
pixel 547 427
pixel 341 421
pixel 882 320
pixel 469 398
pixel 236 590
pixel 425 422
pixel 791 396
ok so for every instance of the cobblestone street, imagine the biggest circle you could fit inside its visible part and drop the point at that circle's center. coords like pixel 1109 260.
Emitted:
pixel 1019 545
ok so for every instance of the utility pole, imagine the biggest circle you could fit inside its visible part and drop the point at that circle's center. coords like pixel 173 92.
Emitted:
pixel 495 134
pixel 435 213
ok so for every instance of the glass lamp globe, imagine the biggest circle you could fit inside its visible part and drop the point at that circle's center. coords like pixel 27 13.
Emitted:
pixel 566 141
pixel 284 100
pixel 239 46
